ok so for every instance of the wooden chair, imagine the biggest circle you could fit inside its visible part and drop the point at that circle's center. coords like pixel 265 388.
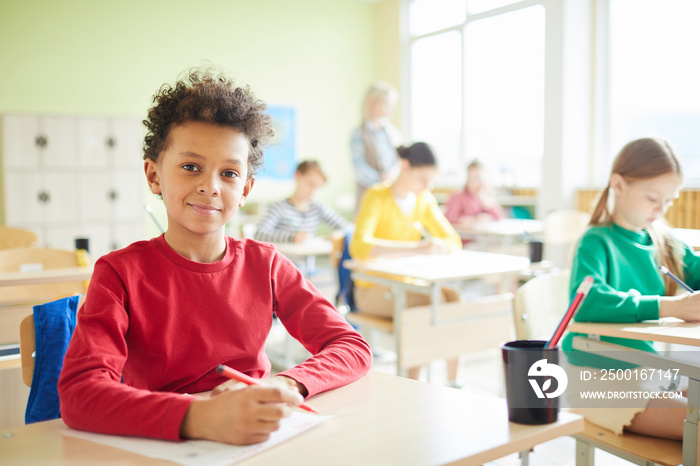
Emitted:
pixel 27 346
pixel 17 301
pixel 562 229
pixel 12 237
pixel 539 305
pixel 537 309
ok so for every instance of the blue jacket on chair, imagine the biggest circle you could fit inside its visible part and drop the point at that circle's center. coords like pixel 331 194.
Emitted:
pixel 346 286
pixel 54 323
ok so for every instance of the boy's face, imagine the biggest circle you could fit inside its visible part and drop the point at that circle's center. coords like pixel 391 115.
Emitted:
pixel 308 183
pixel 202 176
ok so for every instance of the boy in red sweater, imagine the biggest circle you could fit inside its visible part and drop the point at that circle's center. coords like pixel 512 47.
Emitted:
pixel 160 315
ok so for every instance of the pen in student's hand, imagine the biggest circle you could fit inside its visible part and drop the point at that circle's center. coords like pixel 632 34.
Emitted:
pixel 670 274
pixel 423 231
pixel 233 374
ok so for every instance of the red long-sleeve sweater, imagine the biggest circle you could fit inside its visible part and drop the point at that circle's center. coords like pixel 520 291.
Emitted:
pixel 163 323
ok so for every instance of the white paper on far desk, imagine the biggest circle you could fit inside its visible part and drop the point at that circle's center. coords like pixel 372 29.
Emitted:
pixel 202 452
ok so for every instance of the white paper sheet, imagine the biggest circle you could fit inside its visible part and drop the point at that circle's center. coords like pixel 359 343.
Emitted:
pixel 202 452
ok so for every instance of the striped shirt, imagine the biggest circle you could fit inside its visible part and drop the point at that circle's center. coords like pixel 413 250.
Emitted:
pixel 283 220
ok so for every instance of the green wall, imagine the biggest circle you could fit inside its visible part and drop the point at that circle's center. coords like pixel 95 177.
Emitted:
pixel 109 57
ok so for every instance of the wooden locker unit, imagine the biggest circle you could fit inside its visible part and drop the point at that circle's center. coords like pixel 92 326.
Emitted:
pixel 69 177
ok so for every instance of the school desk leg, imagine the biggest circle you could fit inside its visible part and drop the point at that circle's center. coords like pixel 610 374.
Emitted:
pixel 525 457
pixel 399 293
pixel 585 453
pixel 691 435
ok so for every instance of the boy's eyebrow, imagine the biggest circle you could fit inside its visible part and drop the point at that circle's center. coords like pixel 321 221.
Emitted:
pixel 195 155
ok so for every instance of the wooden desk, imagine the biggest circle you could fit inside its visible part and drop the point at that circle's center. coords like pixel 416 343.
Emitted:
pixel 665 330
pixel 435 269
pixel 480 324
pixel 67 274
pixel 501 235
pixel 507 227
pixel 380 419
pixel 689 236
pixel 306 250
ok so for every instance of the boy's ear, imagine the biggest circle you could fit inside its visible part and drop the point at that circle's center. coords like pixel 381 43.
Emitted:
pixel 151 170
pixel 246 191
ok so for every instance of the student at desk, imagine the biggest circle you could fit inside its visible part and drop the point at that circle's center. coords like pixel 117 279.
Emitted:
pixel 384 226
pixel 475 203
pixel 622 251
pixel 296 219
pixel 161 315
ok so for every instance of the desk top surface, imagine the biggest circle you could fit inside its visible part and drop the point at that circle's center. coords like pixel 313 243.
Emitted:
pixel 506 227
pixel 460 265
pixel 380 419
pixel 665 330
pixel 57 275
pixel 310 247
pixel 689 236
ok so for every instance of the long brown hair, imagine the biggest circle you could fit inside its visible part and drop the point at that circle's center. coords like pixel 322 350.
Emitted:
pixel 643 159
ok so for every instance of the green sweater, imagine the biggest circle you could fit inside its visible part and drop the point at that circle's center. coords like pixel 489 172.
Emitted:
pixel 627 283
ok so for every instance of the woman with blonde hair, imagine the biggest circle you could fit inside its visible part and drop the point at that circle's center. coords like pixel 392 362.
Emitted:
pixel 373 144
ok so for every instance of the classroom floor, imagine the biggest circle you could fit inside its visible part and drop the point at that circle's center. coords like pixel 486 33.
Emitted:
pixel 481 372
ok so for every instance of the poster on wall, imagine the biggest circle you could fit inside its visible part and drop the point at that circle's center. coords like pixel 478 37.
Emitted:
pixel 281 153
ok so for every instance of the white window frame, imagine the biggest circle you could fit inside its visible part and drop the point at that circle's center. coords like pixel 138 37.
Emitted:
pixel 569 95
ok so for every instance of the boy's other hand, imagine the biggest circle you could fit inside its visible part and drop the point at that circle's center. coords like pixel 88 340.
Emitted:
pixel 240 416
pixel 293 384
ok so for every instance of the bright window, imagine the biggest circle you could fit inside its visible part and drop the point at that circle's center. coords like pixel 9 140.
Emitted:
pixel 655 77
pixel 426 16
pixel 478 6
pixel 477 87
pixel 504 86
pixel 436 96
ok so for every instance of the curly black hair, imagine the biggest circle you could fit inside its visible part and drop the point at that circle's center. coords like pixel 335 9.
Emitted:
pixel 205 97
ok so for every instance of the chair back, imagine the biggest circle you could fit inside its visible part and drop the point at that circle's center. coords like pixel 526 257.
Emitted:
pixel 341 252
pixel 17 301
pixel 12 237
pixel 562 229
pixel 44 338
pixel 539 305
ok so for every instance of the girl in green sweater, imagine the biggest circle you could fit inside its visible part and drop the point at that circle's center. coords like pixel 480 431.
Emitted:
pixel 622 250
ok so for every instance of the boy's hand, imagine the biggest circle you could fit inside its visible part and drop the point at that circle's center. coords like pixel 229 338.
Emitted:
pixel 301 236
pixel 293 384
pixel 239 416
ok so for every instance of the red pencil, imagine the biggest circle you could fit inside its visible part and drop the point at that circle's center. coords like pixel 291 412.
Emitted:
pixel 581 294
pixel 233 374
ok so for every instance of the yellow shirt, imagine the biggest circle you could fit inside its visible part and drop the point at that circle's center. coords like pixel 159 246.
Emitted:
pixel 379 217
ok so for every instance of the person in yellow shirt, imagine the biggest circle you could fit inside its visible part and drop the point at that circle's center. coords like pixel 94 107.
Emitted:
pixel 385 225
